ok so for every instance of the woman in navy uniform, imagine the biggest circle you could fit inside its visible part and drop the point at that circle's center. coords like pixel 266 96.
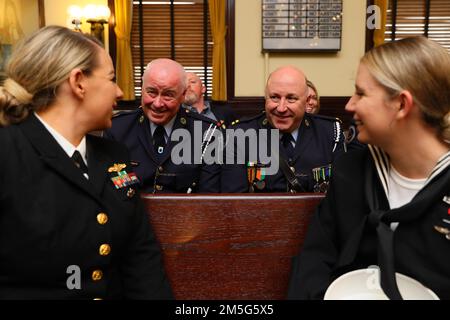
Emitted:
pixel 71 221
pixel 388 204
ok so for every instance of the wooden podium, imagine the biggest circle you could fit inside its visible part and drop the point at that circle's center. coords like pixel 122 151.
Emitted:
pixel 230 246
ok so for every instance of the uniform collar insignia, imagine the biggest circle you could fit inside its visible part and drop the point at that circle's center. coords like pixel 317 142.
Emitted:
pixel 307 122
pixel 221 124
pixel 255 175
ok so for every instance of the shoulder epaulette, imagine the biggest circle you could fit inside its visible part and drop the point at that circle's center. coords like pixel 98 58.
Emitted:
pixel 235 122
pixel 337 128
pixel 195 115
pixel 119 113
pixel 260 118
pixel 251 118
pixel 326 117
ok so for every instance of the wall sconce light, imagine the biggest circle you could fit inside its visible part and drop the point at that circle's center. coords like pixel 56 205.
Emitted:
pixel 96 15
pixel 75 16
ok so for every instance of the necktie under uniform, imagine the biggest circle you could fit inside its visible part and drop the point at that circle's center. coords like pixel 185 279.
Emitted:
pixel 79 162
pixel 286 141
pixel 159 140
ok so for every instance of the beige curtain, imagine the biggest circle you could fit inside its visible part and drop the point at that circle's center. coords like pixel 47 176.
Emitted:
pixel 378 35
pixel 124 65
pixel 218 29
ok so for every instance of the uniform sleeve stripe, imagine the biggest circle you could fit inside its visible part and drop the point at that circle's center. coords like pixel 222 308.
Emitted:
pixel 441 165
pixel 382 165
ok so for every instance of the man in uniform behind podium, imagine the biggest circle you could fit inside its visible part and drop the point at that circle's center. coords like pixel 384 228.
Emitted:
pixel 306 141
pixel 147 134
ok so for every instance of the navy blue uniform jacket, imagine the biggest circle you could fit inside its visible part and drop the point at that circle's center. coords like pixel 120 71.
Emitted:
pixel 319 142
pixel 223 112
pixel 156 176
pixel 50 223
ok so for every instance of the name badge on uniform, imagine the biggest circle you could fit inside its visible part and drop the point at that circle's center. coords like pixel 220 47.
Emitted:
pixel 123 178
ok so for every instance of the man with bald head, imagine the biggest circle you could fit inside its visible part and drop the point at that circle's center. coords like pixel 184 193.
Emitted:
pixel 306 141
pixel 147 133
pixel 194 101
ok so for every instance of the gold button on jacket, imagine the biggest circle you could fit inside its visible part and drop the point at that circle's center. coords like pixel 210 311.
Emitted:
pixel 130 193
pixel 102 218
pixel 97 275
pixel 104 249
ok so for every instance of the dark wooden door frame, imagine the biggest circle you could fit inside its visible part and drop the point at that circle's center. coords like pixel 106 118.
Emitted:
pixel 41 11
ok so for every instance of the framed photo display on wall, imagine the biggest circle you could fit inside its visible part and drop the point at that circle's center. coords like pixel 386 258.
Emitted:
pixel 301 25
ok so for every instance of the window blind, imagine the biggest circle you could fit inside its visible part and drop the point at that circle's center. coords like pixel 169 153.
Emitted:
pixel 431 18
pixel 188 37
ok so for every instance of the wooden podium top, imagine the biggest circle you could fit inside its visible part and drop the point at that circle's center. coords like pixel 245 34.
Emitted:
pixel 230 246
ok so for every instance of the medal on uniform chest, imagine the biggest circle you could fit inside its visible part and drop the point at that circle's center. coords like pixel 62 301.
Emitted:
pixel 255 176
pixel 251 172
pixel 260 176
pixel 443 227
pixel 321 176
pixel 123 178
pixel 260 184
